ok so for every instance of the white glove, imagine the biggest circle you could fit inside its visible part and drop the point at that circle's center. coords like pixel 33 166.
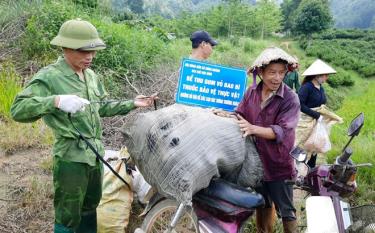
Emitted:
pixel 320 118
pixel 71 103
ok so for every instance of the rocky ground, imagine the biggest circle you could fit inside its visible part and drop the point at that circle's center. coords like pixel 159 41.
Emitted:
pixel 26 193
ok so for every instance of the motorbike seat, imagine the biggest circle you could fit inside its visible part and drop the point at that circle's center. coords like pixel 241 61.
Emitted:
pixel 233 194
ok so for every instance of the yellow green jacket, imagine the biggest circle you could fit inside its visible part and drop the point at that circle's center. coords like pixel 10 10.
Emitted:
pixel 37 101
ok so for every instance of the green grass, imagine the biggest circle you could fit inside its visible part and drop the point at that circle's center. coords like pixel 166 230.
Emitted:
pixel 9 87
pixel 16 136
pixel 13 135
pixel 12 10
pixel 358 99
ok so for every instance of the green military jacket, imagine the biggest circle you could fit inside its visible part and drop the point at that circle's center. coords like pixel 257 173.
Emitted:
pixel 37 101
pixel 291 79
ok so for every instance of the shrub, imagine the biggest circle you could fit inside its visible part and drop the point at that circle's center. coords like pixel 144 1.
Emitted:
pixel 223 46
pixel 369 70
pixel 9 87
pixel 16 10
pixel 342 78
pixel 234 40
pixel 43 26
pixel 127 48
pixel 249 46
pixel 351 49
pixel 334 81
pixel 130 48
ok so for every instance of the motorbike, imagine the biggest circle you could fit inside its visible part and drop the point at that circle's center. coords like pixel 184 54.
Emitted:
pixel 222 207
pixel 327 185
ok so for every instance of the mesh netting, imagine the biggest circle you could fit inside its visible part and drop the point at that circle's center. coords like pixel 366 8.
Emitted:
pixel 179 149
pixel 363 218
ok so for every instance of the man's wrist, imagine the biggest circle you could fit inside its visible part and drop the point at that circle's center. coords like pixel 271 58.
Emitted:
pixel 57 101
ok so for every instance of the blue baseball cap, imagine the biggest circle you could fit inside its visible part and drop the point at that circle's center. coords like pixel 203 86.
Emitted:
pixel 199 36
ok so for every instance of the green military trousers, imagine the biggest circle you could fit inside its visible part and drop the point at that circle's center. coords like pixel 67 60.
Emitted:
pixel 78 189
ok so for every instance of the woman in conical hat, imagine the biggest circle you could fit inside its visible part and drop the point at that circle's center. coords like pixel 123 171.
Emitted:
pixel 312 93
pixel 312 98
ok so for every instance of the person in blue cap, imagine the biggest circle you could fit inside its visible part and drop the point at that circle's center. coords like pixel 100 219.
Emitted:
pixel 202 44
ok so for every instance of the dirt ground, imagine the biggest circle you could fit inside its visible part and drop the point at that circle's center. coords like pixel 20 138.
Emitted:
pixel 26 193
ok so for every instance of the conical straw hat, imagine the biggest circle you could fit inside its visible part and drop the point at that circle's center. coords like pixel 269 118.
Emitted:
pixel 272 54
pixel 319 67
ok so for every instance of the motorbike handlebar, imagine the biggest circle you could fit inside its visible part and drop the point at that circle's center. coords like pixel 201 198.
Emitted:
pixel 299 181
pixel 343 159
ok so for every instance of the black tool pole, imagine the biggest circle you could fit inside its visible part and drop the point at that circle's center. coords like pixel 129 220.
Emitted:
pixel 97 153
pixel 155 106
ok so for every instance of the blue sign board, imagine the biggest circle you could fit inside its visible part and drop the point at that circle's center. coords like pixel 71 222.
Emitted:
pixel 210 85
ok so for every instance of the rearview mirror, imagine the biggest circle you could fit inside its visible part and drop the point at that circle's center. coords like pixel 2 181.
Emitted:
pixel 298 154
pixel 356 125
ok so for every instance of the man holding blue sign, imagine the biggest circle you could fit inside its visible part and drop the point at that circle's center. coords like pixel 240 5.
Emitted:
pixel 206 84
pixel 270 113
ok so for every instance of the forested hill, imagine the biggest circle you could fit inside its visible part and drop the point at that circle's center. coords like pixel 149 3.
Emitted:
pixel 346 13
pixel 353 13
pixel 171 8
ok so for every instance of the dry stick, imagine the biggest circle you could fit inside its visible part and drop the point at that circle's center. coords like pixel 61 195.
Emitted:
pixel 127 80
pixel 116 121
pixel 10 29
pixel 8 200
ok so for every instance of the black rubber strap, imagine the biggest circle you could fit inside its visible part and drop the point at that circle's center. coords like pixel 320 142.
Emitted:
pixel 97 153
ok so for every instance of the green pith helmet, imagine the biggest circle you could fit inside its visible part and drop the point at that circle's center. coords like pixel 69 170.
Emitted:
pixel 78 34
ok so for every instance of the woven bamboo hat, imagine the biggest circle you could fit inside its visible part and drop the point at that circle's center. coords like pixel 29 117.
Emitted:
pixel 272 54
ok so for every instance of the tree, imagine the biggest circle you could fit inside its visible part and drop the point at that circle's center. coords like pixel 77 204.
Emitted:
pixel 312 16
pixel 288 9
pixel 268 16
pixel 136 6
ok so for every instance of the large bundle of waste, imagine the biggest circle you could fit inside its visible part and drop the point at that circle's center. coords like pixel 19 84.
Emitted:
pixel 179 149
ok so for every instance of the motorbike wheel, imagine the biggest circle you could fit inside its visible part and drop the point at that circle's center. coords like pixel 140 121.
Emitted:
pixel 159 217
pixel 363 219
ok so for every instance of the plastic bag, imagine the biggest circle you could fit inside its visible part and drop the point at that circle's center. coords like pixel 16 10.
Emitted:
pixel 318 141
pixel 141 187
pixel 113 212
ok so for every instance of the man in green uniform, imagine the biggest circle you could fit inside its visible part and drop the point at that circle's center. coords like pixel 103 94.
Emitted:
pixel 69 87
pixel 291 78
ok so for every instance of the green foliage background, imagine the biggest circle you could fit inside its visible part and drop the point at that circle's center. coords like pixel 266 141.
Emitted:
pixel 349 49
pixel 312 16
pixel 233 18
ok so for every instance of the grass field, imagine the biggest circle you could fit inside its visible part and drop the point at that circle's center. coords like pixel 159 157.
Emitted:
pixel 358 99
